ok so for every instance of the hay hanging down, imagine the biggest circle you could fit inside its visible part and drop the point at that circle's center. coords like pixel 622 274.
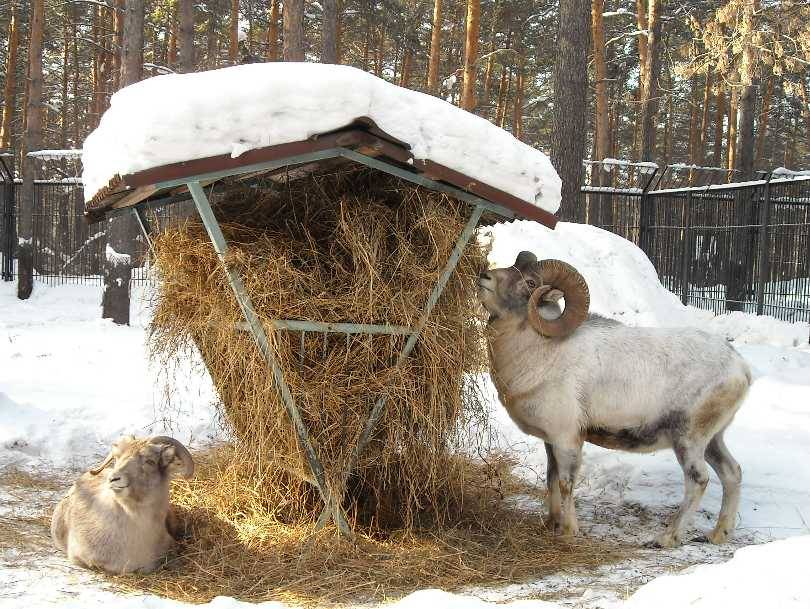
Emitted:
pixel 346 246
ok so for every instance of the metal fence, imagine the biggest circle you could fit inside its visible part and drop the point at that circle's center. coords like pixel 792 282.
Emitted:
pixel 66 248
pixel 8 238
pixel 723 247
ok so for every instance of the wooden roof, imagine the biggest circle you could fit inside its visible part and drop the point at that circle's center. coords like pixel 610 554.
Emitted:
pixel 363 137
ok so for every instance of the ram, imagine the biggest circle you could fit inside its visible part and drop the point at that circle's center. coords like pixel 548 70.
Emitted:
pixel 120 520
pixel 568 377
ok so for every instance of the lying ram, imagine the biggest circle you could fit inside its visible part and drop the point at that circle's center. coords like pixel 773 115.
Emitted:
pixel 569 377
pixel 122 522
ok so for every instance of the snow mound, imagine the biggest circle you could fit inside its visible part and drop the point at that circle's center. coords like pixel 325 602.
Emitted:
pixel 622 281
pixel 769 575
pixel 624 284
pixel 179 117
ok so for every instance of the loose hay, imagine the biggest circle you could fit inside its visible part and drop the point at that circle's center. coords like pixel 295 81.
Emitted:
pixel 235 549
pixel 345 246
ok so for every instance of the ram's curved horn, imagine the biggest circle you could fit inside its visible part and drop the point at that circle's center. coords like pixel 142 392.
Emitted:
pixel 564 277
pixel 99 468
pixel 179 450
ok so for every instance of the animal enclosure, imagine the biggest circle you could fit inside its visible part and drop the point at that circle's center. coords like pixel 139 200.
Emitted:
pixel 722 247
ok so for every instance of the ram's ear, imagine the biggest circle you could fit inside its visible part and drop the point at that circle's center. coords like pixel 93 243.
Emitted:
pixel 168 456
pixel 552 295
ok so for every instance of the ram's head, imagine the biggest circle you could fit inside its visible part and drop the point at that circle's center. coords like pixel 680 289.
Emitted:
pixel 532 289
pixel 137 467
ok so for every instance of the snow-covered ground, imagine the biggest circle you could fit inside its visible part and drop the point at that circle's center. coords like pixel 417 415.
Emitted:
pixel 70 383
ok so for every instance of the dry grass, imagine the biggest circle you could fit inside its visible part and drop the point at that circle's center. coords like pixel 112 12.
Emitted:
pixel 26 502
pixel 233 549
pixel 343 247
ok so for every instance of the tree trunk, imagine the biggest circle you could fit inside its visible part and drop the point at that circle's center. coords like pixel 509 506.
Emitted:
pixel 171 55
pixel 570 80
pixel 405 76
pixel 9 90
pixel 212 61
pixel 118 35
pixel 378 54
pixel 731 140
pixel 805 107
pixel 186 9
pixel 641 23
pixel 744 158
pixel 601 134
pixel 31 142
pixel 703 136
pixel 720 113
pixel 517 110
pixel 694 137
pixel 95 74
pixel 493 42
pixel 762 123
pixel 117 268
pixel 132 50
pixel 668 121
pixel 649 103
pixel 272 32
pixel 500 109
pixel 76 78
pixel 509 79
pixel 294 30
pixel 435 49
pixel 471 54
pixel 329 32
pixel 63 101
pixel 233 29
pixel 339 32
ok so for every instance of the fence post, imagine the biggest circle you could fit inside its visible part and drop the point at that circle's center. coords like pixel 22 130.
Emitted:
pixel 686 252
pixel 8 223
pixel 763 252
pixel 646 217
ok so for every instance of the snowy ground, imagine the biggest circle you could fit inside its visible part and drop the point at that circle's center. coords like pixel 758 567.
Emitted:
pixel 70 383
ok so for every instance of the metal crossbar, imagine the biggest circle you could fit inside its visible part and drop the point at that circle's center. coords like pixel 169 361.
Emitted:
pixel 332 498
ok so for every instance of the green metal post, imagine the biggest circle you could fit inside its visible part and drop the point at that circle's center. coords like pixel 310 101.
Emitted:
pixel 259 336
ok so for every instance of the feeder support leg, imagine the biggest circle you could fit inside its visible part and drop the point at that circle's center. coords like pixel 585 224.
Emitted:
pixel 379 406
pixel 260 337
pixel 143 224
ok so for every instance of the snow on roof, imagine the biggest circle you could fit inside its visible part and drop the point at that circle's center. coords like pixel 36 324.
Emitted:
pixel 180 117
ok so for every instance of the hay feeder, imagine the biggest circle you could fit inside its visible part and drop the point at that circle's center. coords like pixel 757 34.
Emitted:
pixel 362 143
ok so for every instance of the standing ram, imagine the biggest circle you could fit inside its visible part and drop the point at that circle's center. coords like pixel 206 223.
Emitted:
pixel 569 377
pixel 122 522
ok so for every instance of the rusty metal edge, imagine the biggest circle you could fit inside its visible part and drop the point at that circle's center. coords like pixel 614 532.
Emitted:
pixel 110 197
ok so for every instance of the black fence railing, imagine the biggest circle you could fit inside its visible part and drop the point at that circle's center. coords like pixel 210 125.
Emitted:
pixel 8 236
pixel 66 248
pixel 722 247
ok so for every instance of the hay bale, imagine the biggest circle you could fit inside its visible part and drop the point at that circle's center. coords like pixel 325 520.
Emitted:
pixel 344 246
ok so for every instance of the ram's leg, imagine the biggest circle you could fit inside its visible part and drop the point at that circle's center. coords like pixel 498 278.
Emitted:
pixel 730 474
pixel 568 458
pixel 696 477
pixel 553 499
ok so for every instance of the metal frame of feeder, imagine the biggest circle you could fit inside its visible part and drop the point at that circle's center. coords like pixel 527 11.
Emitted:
pixel 332 501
